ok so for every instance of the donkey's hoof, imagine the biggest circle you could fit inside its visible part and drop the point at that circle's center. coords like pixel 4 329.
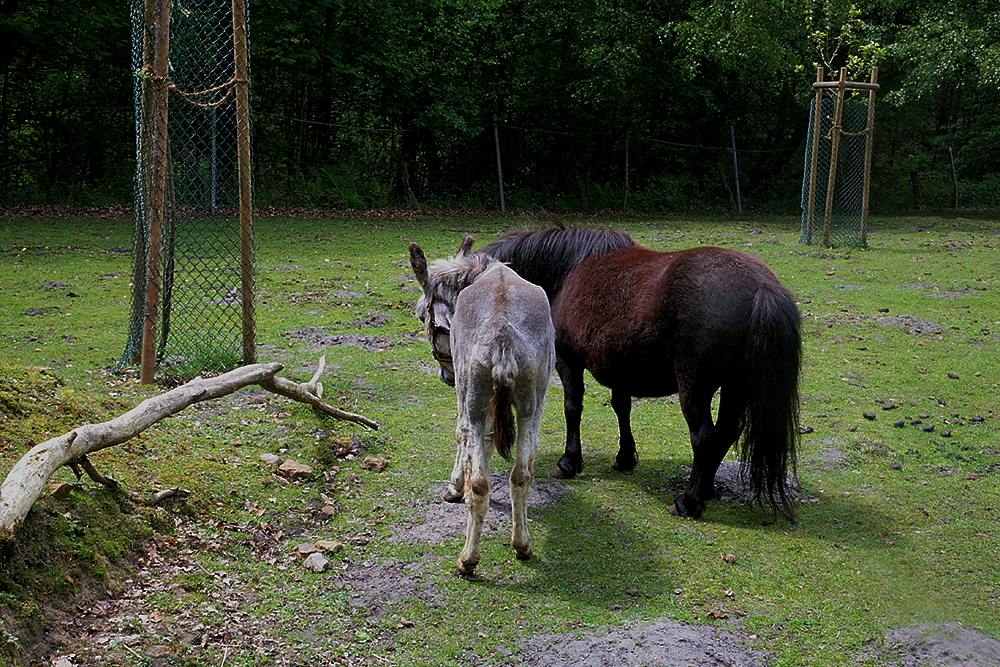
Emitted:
pixel 453 495
pixel 467 570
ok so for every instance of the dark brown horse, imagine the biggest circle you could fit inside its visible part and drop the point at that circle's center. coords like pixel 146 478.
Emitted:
pixel 691 322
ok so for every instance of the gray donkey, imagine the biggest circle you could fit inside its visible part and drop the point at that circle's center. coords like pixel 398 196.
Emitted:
pixel 491 332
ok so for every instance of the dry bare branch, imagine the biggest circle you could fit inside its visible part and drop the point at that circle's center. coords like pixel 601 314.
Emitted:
pixel 27 480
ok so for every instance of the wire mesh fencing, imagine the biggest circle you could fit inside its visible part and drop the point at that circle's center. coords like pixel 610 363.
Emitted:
pixel 193 271
pixel 837 174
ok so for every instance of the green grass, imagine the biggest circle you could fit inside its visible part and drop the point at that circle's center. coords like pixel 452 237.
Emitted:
pixel 897 525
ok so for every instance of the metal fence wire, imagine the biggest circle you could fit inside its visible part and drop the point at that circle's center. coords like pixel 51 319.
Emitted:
pixel 838 154
pixel 193 282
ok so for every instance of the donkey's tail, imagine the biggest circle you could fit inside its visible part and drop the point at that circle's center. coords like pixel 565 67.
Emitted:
pixel 502 405
pixel 770 423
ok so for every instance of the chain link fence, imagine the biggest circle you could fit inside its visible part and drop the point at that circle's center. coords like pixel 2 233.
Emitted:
pixel 837 174
pixel 193 282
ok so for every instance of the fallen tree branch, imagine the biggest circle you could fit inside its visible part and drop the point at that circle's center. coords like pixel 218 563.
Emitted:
pixel 314 386
pixel 93 473
pixel 112 483
pixel 299 393
pixel 26 481
pixel 161 495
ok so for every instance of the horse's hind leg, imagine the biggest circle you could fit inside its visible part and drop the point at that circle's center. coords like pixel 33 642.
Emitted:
pixel 571 376
pixel 621 403
pixel 709 442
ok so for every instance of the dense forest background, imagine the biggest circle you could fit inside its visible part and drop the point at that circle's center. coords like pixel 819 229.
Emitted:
pixel 376 103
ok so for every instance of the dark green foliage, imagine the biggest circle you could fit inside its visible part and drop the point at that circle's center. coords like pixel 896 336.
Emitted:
pixel 369 103
pixel 65 102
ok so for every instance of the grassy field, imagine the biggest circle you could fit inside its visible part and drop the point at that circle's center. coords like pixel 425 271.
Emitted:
pixel 899 465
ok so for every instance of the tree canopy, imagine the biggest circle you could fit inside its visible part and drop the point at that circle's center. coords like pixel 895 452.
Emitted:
pixel 371 103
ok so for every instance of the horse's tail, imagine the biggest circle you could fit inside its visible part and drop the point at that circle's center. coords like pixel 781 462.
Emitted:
pixel 770 423
pixel 502 405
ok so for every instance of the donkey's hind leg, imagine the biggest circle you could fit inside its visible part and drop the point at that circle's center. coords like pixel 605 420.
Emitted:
pixel 529 424
pixel 476 466
pixel 455 492
pixel 456 482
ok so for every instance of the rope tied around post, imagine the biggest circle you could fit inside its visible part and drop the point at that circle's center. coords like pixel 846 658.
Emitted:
pixel 839 129
pixel 190 97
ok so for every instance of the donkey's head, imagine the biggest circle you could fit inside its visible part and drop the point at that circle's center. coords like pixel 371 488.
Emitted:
pixel 441 284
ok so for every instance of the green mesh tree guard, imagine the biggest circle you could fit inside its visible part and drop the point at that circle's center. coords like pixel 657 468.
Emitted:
pixel 193 282
pixel 837 173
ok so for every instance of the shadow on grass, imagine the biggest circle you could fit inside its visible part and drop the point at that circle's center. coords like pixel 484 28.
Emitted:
pixel 843 519
pixel 587 553
pixel 610 545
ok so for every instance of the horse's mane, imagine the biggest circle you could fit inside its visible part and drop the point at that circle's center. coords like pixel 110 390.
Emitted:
pixel 545 257
pixel 453 274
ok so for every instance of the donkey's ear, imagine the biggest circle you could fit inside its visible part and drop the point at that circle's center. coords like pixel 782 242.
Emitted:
pixel 419 263
pixel 466 246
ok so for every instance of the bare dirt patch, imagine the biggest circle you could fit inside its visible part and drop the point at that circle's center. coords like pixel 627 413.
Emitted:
pixel 377 587
pixel 939 645
pixel 663 643
pixel 444 521
pixel 667 643
pixel 372 320
pixel 732 484
pixel 323 337
pixel 913 325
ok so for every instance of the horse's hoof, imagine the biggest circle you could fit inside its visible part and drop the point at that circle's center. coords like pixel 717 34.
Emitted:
pixel 563 473
pixel 467 570
pixel 687 508
pixel 567 469
pixel 524 554
pixel 453 496
pixel 625 466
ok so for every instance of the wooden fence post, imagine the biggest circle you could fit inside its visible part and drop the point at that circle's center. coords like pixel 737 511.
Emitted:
pixel 241 56
pixel 158 175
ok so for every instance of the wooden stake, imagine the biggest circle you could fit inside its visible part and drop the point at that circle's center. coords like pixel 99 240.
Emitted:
pixel 954 176
pixel 496 139
pixel 869 139
pixel 628 129
pixel 835 133
pixel 814 159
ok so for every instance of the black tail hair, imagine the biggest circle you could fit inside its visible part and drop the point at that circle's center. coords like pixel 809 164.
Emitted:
pixel 770 423
pixel 504 429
